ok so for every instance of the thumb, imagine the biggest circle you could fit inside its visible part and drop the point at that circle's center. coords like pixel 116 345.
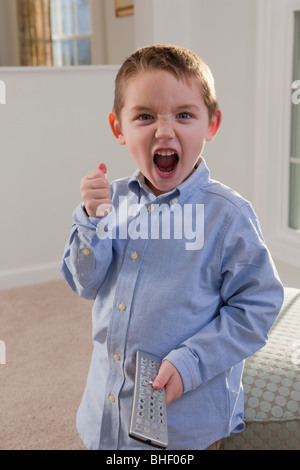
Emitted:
pixel 103 168
pixel 162 377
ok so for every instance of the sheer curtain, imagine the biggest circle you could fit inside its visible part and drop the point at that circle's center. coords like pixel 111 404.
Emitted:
pixel 35 32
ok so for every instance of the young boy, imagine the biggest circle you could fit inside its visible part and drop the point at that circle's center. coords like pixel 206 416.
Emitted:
pixel 174 260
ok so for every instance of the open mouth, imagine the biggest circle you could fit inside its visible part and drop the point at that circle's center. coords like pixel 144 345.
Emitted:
pixel 166 161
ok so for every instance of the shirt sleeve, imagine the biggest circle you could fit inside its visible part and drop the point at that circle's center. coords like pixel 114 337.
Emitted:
pixel 251 297
pixel 87 255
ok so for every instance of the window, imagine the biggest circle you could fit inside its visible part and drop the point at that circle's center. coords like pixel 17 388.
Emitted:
pixel 277 124
pixel 71 32
pixel 294 196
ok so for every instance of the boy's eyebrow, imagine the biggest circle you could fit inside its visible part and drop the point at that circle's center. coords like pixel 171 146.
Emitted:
pixel 138 109
pixel 187 106
pixel 146 109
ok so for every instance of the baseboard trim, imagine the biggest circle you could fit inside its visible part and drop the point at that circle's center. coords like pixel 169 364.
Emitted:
pixel 29 275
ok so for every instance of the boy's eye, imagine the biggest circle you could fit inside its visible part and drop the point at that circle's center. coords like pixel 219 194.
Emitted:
pixel 183 116
pixel 145 117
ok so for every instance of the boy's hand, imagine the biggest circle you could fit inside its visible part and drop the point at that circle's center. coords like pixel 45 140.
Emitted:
pixel 169 377
pixel 95 192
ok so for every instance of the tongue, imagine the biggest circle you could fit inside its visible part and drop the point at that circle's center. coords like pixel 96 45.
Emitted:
pixel 165 162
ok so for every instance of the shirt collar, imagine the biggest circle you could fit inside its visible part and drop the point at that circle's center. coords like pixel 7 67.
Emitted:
pixel 198 179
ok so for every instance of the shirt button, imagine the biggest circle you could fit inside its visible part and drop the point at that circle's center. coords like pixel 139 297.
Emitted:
pixel 111 398
pixel 174 201
pixel 134 255
pixel 116 357
pixel 150 208
pixel 122 306
pixel 85 251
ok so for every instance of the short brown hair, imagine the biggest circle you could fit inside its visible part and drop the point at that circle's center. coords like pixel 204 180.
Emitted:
pixel 181 62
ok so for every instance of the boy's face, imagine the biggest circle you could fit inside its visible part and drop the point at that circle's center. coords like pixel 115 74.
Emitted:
pixel 164 123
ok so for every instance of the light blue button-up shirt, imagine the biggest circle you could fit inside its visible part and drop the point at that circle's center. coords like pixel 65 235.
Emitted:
pixel 185 276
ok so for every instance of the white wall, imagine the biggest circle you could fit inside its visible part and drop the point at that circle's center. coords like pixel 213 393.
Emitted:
pixel 119 35
pixel 54 129
pixel 223 33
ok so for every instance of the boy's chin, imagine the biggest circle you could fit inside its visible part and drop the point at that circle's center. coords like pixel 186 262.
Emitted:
pixel 169 182
pixel 161 189
pixel 163 182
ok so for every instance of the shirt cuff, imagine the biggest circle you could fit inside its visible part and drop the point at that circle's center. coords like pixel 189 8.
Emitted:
pixel 187 365
pixel 102 224
pixel 81 217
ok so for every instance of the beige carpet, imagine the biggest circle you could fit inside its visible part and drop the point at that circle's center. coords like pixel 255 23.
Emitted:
pixel 47 332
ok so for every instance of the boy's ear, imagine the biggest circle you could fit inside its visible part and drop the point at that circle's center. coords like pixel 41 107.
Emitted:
pixel 116 128
pixel 214 125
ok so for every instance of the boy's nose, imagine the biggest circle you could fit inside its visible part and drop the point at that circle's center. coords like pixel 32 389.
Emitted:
pixel 164 130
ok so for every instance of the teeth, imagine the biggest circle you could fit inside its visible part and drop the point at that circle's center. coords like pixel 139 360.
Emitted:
pixel 165 153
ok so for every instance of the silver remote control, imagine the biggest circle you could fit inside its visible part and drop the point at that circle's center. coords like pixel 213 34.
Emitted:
pixel 149 412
